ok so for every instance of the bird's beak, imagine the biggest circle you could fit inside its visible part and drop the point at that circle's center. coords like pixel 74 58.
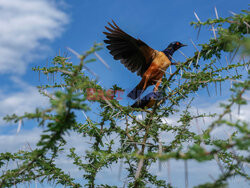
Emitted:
pixel 183 45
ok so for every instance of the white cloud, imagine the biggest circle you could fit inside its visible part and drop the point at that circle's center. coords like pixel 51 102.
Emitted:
pixel 24 25
pixel 222 131
pixel 206 107
pixel 13 142
pixel 26 99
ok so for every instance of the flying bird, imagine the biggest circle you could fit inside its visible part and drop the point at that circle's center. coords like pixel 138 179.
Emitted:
pixel 138 57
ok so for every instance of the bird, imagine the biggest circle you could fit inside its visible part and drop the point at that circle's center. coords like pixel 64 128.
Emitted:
pixel 148 101
pixel 138 57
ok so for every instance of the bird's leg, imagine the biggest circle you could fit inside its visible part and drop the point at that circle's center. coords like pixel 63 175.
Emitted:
pixel 145 83
pixel 157 85
pixel 142 85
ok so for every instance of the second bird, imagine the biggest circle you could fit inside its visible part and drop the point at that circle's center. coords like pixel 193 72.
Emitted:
pixel 138 57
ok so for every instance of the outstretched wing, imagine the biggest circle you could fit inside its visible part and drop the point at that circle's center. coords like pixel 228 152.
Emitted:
pixel 133 53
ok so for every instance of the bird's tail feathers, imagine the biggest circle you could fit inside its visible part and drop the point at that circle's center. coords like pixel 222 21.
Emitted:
pixel 137 91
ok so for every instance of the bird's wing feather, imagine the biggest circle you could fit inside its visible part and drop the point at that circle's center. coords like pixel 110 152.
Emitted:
pixel 133 53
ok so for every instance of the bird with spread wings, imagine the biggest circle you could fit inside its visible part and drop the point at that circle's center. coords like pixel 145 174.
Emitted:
pixel 138 57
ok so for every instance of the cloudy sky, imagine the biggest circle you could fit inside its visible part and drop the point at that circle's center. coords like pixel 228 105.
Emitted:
pixel 32 32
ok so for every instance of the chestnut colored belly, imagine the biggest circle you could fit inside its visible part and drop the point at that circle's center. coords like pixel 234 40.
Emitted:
pixel 157 68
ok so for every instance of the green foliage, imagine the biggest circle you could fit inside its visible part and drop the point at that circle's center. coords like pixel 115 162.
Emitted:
pixel 138 143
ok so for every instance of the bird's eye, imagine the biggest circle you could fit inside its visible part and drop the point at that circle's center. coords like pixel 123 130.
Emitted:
pixel 178 43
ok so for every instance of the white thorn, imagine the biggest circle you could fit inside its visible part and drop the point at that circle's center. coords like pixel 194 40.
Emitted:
pixel 232 13
pixel 84 114
pixel 194 45
pixel 103 62
pixel 19 126
pixel 183 54
pixel 62 87
pixel 197 17
pixel 216 13
pixel 246 24
pixel 198 57
pixel 74 52
pixel 190 64
pixel 214 32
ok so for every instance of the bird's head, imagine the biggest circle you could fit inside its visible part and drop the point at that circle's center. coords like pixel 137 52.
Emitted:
pixel 172 47
pixel 175 45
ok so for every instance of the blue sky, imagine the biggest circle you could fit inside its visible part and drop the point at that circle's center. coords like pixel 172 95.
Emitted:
pixel 33 32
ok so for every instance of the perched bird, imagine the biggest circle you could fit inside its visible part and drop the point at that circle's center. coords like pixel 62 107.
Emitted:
pixel 138 57
pixel 148 101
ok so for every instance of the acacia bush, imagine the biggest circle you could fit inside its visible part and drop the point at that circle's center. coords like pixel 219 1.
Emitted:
pixel 138 143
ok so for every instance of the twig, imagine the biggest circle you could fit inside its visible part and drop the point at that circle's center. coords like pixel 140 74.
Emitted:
pixel 139 167
pixel 218 162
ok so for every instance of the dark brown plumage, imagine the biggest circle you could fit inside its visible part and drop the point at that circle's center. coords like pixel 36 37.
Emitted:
pixel 133 53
